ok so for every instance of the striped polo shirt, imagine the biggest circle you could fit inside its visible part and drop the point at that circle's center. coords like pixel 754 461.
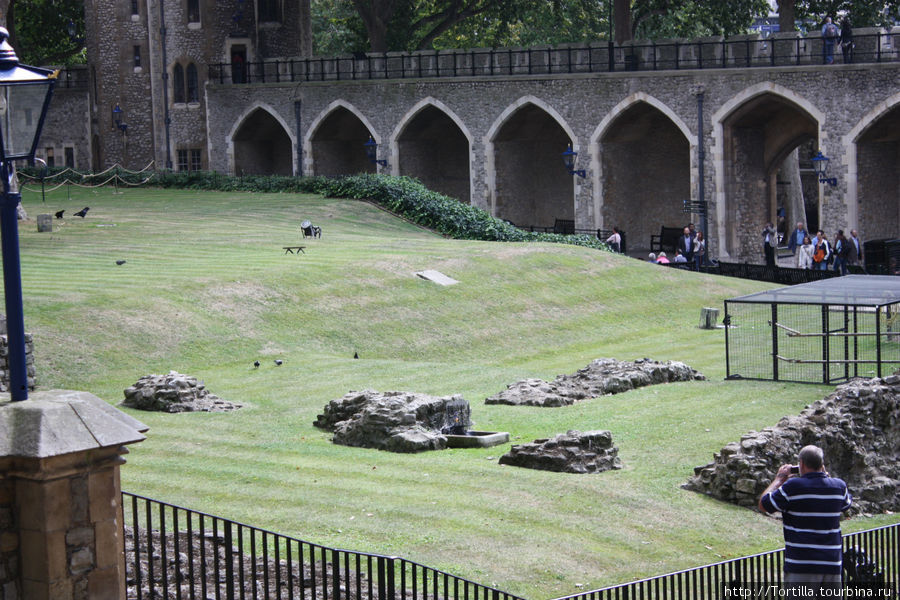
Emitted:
pixel 811 507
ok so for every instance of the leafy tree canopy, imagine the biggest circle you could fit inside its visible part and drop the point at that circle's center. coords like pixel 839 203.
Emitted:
pixel 39 30
pixel 862 13
pixel 349 25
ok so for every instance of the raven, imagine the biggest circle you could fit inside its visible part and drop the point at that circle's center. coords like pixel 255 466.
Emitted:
pixel 81 213
pixel 120 262
pixel 255 364
pixel 59 213
pixel 278 362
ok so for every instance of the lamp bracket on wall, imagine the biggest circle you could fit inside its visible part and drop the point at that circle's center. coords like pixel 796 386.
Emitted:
pixel 569 157
pixel 372 152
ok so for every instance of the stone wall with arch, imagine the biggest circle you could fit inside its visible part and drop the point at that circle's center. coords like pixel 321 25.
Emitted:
pixel 641 128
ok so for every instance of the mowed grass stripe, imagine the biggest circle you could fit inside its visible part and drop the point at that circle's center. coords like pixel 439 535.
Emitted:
pixel 206 290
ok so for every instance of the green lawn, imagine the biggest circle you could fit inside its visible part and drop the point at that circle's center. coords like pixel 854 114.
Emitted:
pixel 207 289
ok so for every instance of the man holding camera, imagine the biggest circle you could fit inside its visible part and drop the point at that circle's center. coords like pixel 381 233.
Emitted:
pixel 811 504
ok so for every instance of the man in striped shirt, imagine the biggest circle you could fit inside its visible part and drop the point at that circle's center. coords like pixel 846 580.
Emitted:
pixel 811 504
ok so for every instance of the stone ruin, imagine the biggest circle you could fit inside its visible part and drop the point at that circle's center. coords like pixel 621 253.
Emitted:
pixel 603 376
pixel 570 452
pixel 174 393
pixel 395 421
pixel 858 428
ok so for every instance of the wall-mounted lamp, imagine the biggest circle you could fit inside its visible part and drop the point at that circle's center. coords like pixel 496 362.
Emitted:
pixel 569 157
pixel 118 118
pixel 820 164
pixel 372 152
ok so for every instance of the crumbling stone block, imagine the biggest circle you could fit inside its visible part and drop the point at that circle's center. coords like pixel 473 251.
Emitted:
pixel 602 377
pixel 858 428
pixel 570 452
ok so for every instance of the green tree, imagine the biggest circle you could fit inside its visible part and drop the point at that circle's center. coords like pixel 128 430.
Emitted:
pixel 39 30
pixel 862 13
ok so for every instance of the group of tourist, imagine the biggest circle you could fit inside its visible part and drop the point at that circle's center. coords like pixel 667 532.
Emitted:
pixel 831 36
pixel 817 252
pixel 690 248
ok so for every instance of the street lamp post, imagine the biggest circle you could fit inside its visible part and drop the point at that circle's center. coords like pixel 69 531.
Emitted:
pixel 24 98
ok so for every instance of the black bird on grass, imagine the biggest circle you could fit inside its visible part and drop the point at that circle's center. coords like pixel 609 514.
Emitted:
pixel 81 213
pixel 59 213
pixel 278 362
pixel 120 262
pixel 356 355
pixel 255 364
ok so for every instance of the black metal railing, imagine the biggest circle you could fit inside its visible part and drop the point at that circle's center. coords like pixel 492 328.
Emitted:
pixel 880 546
pixel 75 78
pixel 740 52
pixel 176 553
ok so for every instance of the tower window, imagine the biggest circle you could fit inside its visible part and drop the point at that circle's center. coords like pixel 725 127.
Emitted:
pixel 178 83
pixel 269 11
pixel 193 11
pixel 137 57
pixel 193 87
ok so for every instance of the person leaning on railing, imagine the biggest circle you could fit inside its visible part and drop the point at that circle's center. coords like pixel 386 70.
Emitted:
pixel 811 504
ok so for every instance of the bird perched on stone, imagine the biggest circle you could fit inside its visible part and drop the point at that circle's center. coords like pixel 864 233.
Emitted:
pixel 120 262
pixel 59 213
pixel 81 213
pixel 255 364
pixel 278 362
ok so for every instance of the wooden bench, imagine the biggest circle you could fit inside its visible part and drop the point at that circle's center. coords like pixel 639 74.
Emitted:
pixel 291 249
pixel 666 240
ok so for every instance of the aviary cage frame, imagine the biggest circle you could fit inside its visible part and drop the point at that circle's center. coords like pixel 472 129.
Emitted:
pixel 825 332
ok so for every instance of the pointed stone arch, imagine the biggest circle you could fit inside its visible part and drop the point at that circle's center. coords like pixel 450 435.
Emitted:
pixel 334 142
pixel 753 132
pixel 660 144
pixel 872 156
pixel 260 142
pixel 432 144
pixel 526 179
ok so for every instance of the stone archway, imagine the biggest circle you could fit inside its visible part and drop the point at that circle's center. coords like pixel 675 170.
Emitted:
pixel 645 173
pixel 337 144
pixel 433 148
pixel 878 176
pixel 757 134
pixel 262 146
pixel 531 184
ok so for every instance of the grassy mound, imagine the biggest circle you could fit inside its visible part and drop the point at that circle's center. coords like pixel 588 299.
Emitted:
pixel 206 289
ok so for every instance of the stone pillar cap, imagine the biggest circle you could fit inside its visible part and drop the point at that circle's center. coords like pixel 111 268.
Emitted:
pixel 56 422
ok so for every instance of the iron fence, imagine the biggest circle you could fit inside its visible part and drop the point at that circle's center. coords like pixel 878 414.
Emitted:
pixel 879 547
pixel 741 52
pixel 176 553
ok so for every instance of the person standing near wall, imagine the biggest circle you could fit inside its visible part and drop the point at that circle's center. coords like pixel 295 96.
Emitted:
pixel 770 241
pixel 847 40
pixel 830 35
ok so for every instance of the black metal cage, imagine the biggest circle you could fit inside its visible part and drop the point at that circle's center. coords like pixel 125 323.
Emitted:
pixel 820 332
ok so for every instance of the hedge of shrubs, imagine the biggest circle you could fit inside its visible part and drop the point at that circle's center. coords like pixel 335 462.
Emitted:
pixel 404 196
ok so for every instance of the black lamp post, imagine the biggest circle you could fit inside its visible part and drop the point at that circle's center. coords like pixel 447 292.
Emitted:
pixel 569 157
pixel 372 152
pixel 820 164
pixel 24 98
